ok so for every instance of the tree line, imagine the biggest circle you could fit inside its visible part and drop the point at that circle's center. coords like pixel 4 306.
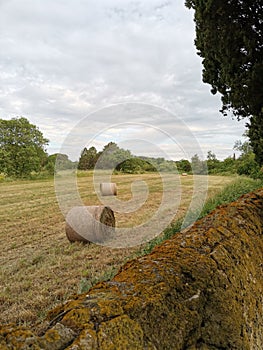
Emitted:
pixel 115 158
pixel 23 154
pixel 121 160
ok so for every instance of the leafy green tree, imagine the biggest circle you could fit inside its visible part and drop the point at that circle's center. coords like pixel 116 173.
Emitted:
pixel 50 163
pixel 22 147
pixel 246 164
pixel 111 156
pixel 135 166
pixel 184 166
pixel 227 166
pixel 229 39
pixel 243 147
pixel 63 162
pixel 212 162
pixel 58 161
pixel 167 166
pixel 83 160
pixel 198 166
pixel 255 134
pixel 88 158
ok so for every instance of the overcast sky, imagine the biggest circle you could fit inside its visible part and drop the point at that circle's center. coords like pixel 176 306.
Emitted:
pixel 66 65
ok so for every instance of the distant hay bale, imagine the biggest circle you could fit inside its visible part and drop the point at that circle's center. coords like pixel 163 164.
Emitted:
pixel 108 189
pixel 184 174
pixel 90 224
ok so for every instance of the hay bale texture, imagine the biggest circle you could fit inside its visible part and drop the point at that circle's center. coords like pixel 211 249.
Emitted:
pixel 90 224
pixel 108 189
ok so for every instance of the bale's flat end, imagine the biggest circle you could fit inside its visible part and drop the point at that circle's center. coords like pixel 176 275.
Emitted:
pixel 90 224
pixel 108 189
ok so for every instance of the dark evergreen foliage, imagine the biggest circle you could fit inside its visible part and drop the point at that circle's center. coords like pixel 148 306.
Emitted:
pixel 229 38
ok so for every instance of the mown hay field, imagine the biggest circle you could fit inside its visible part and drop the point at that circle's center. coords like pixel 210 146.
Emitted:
pixel 39 267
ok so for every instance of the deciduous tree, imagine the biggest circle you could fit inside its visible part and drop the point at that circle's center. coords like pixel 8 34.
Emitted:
pixel 111 156
pixel 198 166
pixel 88 158
pixel 22 147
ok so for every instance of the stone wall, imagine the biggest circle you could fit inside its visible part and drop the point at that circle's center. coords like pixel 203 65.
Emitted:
pixel 202 289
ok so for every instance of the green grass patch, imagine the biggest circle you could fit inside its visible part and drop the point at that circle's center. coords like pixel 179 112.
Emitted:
pixel 228 194
pixel 89 280
pixel 231 193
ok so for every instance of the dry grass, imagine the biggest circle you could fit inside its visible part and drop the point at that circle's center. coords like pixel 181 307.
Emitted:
pixel 39 267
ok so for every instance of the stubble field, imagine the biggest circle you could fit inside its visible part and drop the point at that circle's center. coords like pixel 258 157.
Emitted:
pixel 39 267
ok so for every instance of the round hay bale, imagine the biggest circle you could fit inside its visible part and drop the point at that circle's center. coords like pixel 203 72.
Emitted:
pixel 108 189
pixel 90 224
pixel 184 174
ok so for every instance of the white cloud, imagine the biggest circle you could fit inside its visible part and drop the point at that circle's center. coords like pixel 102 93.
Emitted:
pixel 61 60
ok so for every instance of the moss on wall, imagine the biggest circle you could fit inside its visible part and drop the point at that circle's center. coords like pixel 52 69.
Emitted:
pixel 202 289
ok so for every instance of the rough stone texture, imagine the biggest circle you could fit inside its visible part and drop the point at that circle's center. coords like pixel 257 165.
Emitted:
pixel 202 289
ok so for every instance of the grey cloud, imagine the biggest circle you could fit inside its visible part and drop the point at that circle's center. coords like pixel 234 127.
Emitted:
pixel 61 60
